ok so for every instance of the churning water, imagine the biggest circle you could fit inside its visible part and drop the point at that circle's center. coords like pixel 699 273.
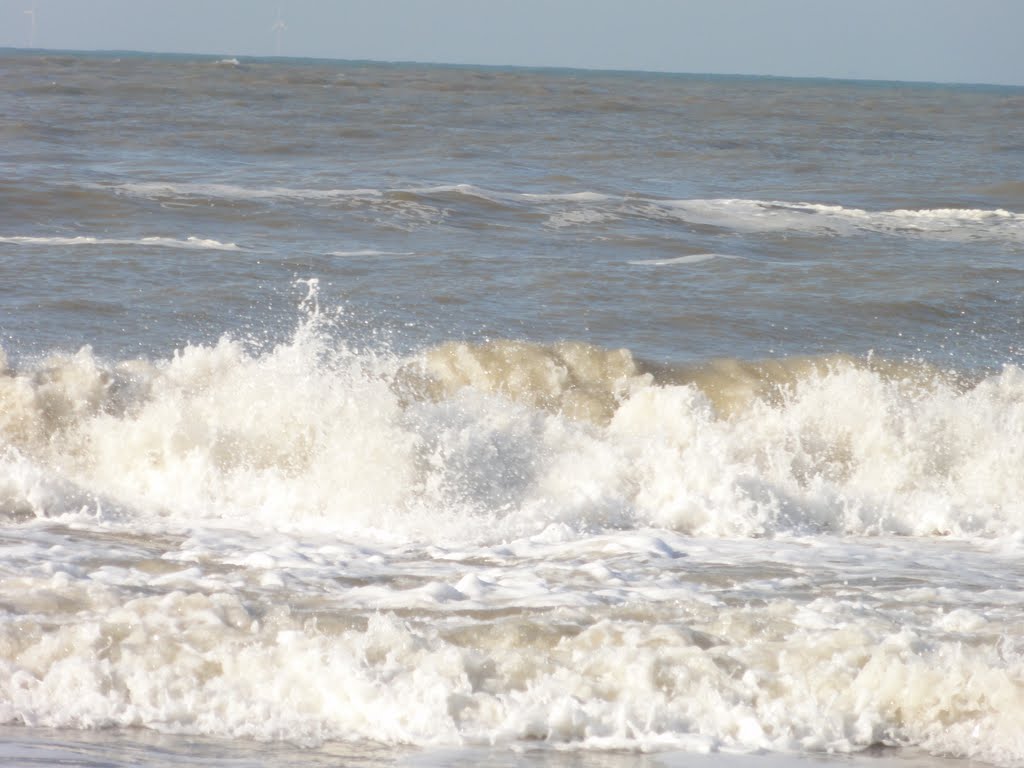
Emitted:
pixel 439 415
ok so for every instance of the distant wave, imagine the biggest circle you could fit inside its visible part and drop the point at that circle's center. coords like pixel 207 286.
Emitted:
pixel 693 258
pixel 236 192
pixel 190 243
pixel 820 218
pixel 585 209
pixel 575 197
pixel 405 208
pixel 371 252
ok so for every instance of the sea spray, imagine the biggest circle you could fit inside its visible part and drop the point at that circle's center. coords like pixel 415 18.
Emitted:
pixel 309 433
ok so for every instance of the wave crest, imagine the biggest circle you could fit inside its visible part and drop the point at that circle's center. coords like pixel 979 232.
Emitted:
pixel 475 441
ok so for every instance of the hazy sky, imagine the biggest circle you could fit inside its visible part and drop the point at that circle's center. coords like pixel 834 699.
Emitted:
pixel 937 40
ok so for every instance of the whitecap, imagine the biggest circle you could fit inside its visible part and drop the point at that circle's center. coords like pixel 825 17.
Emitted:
pixel 576 197
pixel 191 243
pixel 160 189
pixel 371 252
pixel 818 218
pixel 577 216
pixel 693 258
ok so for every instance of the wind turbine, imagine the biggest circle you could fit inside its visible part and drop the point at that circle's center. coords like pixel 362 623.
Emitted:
pixel 279 27
pixel 31 13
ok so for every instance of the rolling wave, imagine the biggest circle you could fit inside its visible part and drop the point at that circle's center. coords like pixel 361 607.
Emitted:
pixel 584 208
pixel 506 438
pixel 190 243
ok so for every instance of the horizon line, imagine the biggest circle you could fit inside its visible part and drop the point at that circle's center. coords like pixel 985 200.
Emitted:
pixel 529 67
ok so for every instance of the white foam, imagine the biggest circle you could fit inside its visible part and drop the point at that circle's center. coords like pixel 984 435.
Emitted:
pixel 777 216
pixel 473 190
pixel 233 191
pixel 469 190
pixel 197 243
pixel 576 197
pixel 511 542
pixel 576 217
pixel 822 676
pixel 693 258
pixel 236 192
pixel 404 210
pixel 523 436
pixel 371 252
pixel 190 243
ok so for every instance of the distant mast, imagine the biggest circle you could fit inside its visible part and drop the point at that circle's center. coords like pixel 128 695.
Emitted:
pixel 278 28
pixel 31 13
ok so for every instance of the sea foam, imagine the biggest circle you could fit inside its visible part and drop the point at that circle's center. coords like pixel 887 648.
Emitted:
pixel 522 435
pixel 189 243
pixel 817 218
pixel 507 542
pixel 817 677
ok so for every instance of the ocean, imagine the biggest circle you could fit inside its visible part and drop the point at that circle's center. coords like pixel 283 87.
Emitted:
pixel 404 415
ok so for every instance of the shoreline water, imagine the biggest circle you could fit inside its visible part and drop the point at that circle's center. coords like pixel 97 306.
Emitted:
pixel 22 747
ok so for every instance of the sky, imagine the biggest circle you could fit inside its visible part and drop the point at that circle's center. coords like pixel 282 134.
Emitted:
pixel 964 41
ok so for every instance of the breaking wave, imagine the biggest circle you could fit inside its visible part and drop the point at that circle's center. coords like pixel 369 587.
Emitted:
pixel 498 439
pixel 586 208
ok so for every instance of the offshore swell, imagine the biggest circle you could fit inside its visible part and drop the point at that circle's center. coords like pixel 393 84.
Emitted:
pixel 709 440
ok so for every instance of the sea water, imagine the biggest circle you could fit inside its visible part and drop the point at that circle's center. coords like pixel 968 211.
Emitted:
pixel 375 414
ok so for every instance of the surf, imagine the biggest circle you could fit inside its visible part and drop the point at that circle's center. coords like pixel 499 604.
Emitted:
pixel 505 437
